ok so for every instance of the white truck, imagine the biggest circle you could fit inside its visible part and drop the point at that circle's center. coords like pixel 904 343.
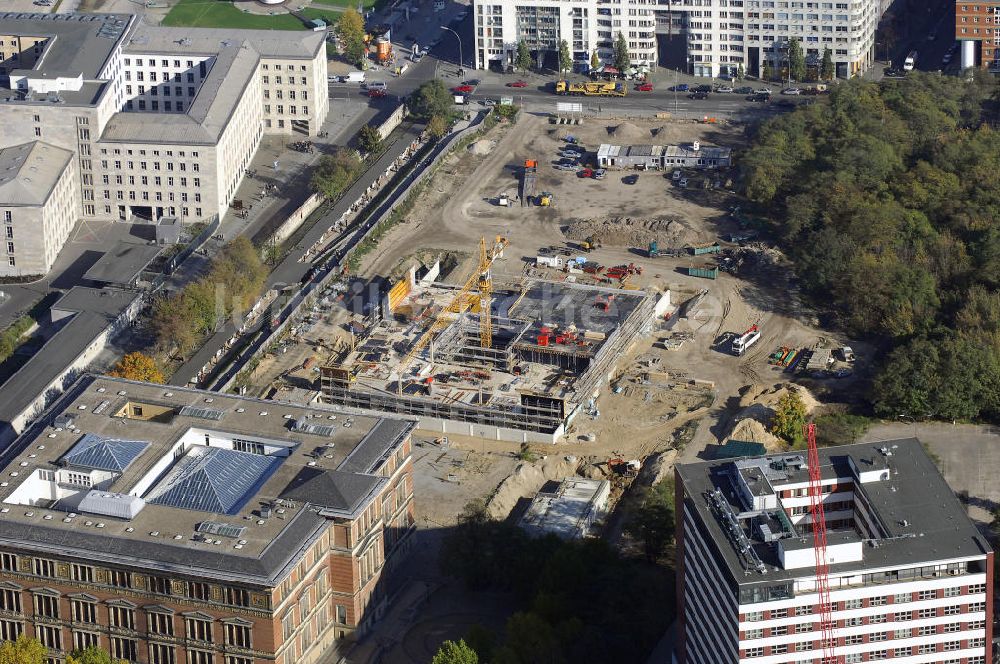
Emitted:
pixel 745 340
pixel 910 62
pixel 354 77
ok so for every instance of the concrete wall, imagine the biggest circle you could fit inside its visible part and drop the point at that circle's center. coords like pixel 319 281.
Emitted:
pixel 392 122
pixel 295 219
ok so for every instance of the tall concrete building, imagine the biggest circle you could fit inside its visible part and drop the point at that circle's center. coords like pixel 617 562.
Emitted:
pixel 701 37
pixel 910 577
pixel 161 122
pixel 977 29
pixel 175 526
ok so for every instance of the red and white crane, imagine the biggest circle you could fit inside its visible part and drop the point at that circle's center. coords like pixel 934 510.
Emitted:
pixel 819 548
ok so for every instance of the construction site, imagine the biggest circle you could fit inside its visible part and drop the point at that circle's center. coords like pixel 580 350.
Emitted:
pixel 502 361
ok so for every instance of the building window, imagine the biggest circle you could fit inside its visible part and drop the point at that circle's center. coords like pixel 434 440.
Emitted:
pixel 160 623
pixel 755 652
pixel 51 637
pixel 237 596
pixel 10 630
pixel 10 232
pixel 122 617
pixel 11 261
pixel 8 217
pixel 82 573
pixel 122 648
pixel 238 660
pixel 199 657
pixel 84 640
pixel 10 600
pixel 8 561
pixel 198 590
pixel 46 606
pixel 120 578
pixel 43 567
pixel 341 614
pixel 160 585
pixel 84 611
pixel 160 653
pixel 198 629
pixel 238 635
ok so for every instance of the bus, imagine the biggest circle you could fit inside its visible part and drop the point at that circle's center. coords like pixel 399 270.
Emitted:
pixel 910 61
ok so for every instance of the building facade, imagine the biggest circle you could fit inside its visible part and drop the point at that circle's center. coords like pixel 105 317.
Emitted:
pixel 163 122
pixel 170 525
pixel 910 577
pixel 977 29
pixel 39 203
pixel 705 38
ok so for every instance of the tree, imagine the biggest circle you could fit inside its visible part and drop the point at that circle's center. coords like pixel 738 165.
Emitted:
pixel 796 61
pixel 350 30
pixel 653 520
pixel 136 366
pixel 740 73
pixel 523 60
pixel 565 59
pixel 622 59
pixel 334 173
pixel 451 652
pixel 437 126
pixel 826 69
pixel 430 99
pixel 767 72
pixel 789 418
pixel 26 650
pixel 595 61
pixel 92 655
pixel 369 139
pixel 482 641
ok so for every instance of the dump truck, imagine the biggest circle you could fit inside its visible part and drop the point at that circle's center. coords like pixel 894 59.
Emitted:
pixel 705 248
pixel 745 340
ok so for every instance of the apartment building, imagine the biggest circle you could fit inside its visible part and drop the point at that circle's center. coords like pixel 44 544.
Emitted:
pixel 172 525
pixel 39 203
pixel 163 122
pixel 910 577
pixel 721 37
pixel 977 29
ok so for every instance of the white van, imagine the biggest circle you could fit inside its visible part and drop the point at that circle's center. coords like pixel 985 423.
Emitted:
pixel 375 85
pixel 910 62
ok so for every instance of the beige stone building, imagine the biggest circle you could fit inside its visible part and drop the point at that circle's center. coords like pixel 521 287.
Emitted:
pixel 162 122
pixel 39 204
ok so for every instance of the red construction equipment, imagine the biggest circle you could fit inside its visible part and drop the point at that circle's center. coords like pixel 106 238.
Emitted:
pixel 819 548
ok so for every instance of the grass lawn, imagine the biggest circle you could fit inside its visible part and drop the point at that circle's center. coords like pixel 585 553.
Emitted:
pixel 344 4
pixel 222 14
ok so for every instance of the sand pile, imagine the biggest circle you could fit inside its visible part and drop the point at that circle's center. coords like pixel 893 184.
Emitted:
pixel 481 147
pixel 669 231
pixel 526 480
pixel 757 410
pixel 627 132
pixel 753 431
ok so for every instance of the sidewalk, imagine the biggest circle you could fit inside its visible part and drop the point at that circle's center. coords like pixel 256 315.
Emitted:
pixel 404 607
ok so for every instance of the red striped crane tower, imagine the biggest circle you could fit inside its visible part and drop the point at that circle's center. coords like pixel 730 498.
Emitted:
pixel 819 548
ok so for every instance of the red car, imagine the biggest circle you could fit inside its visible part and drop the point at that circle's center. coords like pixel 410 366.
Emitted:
pixel 586 173
pixel 518 84
pixel 376 92
pixel 644 87
pixel 462 89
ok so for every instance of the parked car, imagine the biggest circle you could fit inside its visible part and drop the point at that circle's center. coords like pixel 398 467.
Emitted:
pixel 571 154
pixel 644 87
pixel 517 84
pixel 675 176
pixel 600 173
pixel 745 90
pixel 698 95
pixel 585 173
pixel 376 93
pixel 703 88
pixel 472 81
pixel 759 98
pixel 792 91
pixel 630 179
pixel 763 91
pixel 680 87
pixel 462 89
pixel 683 183
pixel 947 58
pixel 889 72
pixel 489 102
pixel 724 89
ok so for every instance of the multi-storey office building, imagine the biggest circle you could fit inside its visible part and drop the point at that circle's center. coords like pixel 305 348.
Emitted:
pixel 172 526
pixel 722 36
pixel 977 29
pixel 910 577
pixel 161 121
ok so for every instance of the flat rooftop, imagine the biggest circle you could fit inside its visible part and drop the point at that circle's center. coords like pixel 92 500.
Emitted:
pixel 922 519
pixel 568 511
pixel 123 263
pixel 77 43
pixel 192 477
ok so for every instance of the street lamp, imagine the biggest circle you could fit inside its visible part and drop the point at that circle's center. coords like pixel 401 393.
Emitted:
pixel 461 60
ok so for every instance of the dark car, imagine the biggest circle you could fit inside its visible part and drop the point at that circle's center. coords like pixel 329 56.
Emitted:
pixel 473 82
pixel 759 98
pixel 681 87
pixel 698 95
pixel 703 88
pixel 630 179
pixel 745 90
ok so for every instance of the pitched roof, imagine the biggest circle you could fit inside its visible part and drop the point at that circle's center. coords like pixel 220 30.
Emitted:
pixel 334 489
pixel 110 454
pixel 29 172
pixel 212 479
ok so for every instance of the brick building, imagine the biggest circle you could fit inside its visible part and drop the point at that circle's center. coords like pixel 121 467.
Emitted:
pixel 175 526
pixel 977 29
pixel 911 579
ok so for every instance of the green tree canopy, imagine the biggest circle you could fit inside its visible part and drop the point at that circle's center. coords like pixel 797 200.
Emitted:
pixel 523 59
pixel 789 418
pixel 622 59
pixel 653 520
pixel 350 30
pixel 335 172
pixel 92 655
pixel 565 59
pixel 430 99
pixel 595 61
pixel 826 68
pixel 25 650
pixel 796 61
pixel 451 652
pixel 369 139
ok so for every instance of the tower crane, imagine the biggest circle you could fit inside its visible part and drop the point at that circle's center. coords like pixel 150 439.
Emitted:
pixel 819 549
pixel 480 280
